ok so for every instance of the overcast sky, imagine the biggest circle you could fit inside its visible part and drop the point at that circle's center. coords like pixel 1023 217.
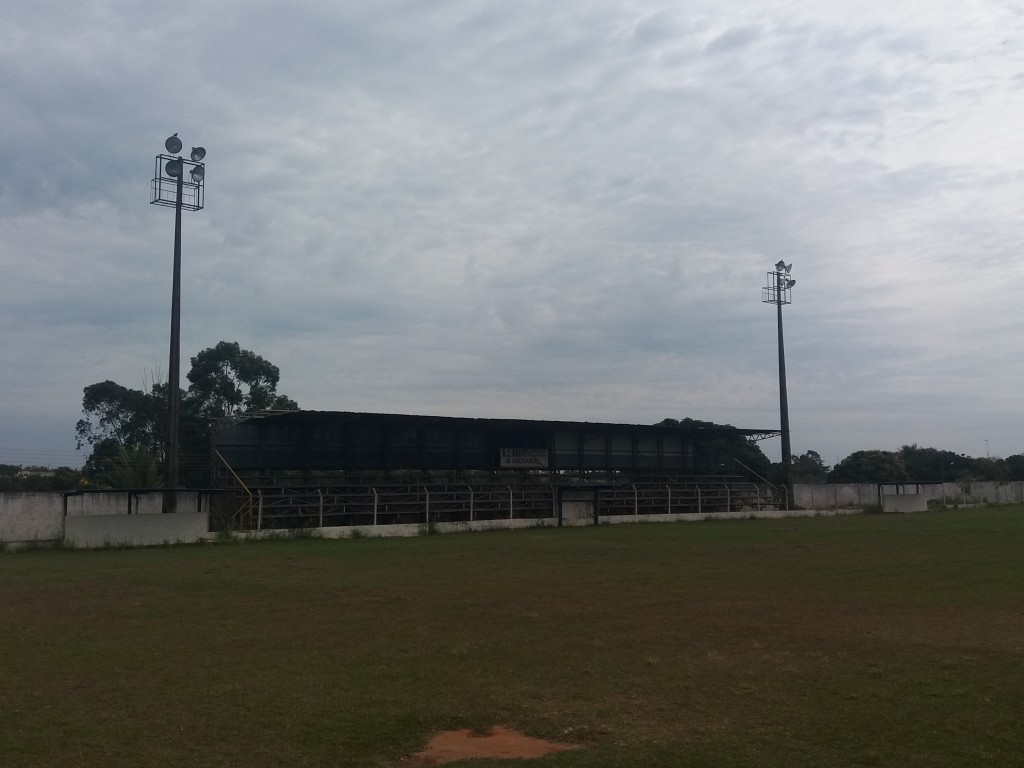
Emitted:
pixel 549 210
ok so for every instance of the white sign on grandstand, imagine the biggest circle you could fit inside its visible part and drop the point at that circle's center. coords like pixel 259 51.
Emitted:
pixel 524 458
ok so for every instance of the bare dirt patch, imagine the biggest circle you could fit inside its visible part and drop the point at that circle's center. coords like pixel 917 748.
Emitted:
pixel 498 743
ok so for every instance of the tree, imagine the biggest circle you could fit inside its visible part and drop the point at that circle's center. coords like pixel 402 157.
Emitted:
pixel 809 468
pixel 991 469
pixel 130 468
pixel 129 417
pixel 725 447
pixel 870 467
pixel 931 464
pixel 38 479
pixel 125 426
pixel 1015 466
pixel 226 380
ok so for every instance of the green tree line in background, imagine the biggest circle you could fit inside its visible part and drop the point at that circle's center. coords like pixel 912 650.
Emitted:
pixel 914 463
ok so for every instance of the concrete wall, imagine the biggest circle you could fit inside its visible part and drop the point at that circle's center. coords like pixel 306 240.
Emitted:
pixel 838 496
pixel 31 517
pixel 26 517
pixel 577 512
pixel 904 502
pixel 385 531
pixel 399 530
pixel 747 514
pixel 577 506
pixel 84 531
pixel 148 503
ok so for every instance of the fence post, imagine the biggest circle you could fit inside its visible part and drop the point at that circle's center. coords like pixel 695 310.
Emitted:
pixel 321 494
pixel 259 512
pixel 376 498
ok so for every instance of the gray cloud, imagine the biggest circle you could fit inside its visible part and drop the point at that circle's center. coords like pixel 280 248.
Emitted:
pixel 526 210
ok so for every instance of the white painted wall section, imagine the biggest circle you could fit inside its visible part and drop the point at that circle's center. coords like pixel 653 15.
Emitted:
pixel 87 531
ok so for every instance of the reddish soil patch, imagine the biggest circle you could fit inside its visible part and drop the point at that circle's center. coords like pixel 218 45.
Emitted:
pixel 498 742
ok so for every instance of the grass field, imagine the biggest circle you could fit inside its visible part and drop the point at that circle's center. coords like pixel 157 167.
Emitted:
pixel 872 640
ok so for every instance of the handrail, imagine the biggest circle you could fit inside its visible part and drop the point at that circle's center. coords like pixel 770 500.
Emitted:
pixel 755 474
pixel 766 481
pixel 244 513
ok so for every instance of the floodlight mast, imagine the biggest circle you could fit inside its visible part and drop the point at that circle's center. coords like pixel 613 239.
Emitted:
pixel 777 292
pixel 170 175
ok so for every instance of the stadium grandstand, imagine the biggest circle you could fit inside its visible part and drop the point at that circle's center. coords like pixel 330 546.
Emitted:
pixel 292 469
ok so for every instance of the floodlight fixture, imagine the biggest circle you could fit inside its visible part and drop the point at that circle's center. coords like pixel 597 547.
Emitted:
pixel 788 266
pixel 780 265
pixel 173 168
pixel 173 144
pixel 789 283
pixel 198 153
pixel 198 173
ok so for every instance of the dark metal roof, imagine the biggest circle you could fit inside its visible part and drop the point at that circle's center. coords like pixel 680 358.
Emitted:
pixel 328 440
pixel 337 417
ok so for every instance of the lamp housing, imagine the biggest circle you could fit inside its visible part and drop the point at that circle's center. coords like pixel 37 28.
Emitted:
pixel 168 172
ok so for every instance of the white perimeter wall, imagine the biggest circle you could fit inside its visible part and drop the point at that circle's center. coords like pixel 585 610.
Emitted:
pixel 839 496
pixel 84 531
pixel 29 517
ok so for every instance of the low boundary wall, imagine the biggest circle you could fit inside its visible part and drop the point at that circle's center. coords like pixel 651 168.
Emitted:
pixel 747 514
pixel 28 518
pixel 31 517
pixel 86 531
pixel 904 502
pixel 396 530
pixel 839 495
pixel 387 531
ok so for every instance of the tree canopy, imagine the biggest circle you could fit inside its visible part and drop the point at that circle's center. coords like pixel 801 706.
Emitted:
pixel 809 468
pixel 226 380
pixel 127 428
pixel 870 467
pixel 726 448
pixel 17 479
pixel 912 463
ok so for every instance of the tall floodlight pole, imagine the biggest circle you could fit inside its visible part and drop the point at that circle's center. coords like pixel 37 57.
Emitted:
pixel 170 188
pixel 777 292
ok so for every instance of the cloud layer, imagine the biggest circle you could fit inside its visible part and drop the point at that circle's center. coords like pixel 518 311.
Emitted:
pixel 527 210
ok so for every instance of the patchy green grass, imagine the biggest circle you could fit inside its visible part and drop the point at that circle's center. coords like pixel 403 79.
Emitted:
pixel 872 640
